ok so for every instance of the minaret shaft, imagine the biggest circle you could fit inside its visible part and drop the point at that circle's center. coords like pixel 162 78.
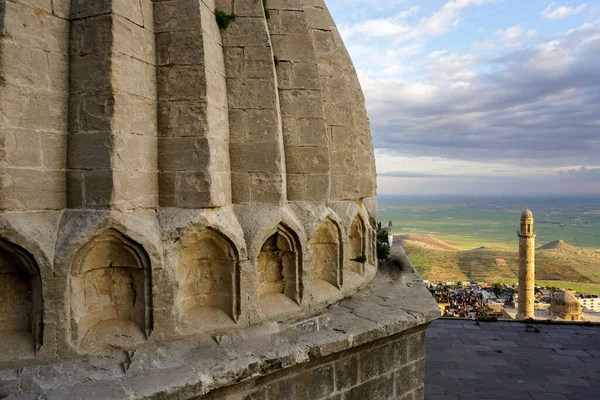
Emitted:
pixel 526 267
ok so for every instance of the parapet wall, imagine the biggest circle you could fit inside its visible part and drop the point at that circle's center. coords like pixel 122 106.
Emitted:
pixel 368 346
pixel 162 178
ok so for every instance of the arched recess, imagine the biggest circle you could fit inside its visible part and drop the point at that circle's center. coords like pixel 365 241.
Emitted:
pixel 208 278
pixel 111 293
pixel 325 248
pixel 21 302
pixel 279 267
pixel 358 246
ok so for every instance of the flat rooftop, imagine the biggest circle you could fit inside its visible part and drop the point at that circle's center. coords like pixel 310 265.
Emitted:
pixel 502 360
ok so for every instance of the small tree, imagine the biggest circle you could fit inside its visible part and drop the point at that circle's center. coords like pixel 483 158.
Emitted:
pixel 383 247
pixel 498 289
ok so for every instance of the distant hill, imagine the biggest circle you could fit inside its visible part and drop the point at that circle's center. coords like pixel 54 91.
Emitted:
pixel 558 245
pixel 555 262
pixel 427 241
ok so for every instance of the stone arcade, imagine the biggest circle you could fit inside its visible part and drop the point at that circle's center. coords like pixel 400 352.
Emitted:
pixel 187 211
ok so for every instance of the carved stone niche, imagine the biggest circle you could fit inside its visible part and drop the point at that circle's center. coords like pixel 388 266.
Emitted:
pixel 111 293
pixel 358 246
pixel 208 277
pixel 327 261
pixel 21 303
pixel 279 273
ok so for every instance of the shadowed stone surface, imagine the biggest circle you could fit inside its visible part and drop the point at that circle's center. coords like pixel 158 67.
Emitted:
pixel 502 360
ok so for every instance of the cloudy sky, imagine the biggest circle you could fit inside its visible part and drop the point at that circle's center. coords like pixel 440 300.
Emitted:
pixel 479 97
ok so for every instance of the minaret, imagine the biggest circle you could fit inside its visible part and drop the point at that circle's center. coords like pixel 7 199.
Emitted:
pixel 526 266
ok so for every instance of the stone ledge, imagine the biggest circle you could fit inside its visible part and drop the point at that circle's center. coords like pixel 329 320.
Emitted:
pixel 394 302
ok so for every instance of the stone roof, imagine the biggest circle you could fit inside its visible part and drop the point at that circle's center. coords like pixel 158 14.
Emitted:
pixel 512 360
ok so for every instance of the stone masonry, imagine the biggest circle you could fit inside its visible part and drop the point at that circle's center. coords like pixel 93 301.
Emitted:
pixel 164 180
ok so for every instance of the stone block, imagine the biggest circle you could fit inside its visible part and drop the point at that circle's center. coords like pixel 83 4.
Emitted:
pixel 324 42
pixel 33 29
pixel 134 40
pixel 292 48
pixel 291 22
pixel 381 360
pixel 305 76
pixel 290 131
pixel 234 61
pixel 381 388
pixel 295 187
pixel 167 184
pixel 26 109
pixel 319 18
pixel 183 153
pixel 134 114
pixel 251 93
pixel 130 10
pixel 261 125
pixel 237 126
pixel 133 76
pixel 312 132
pixel 182 83
pixel 97 188
pixel 134 152
pixel 267 188
pixel 20 148
pixel 182 118
pixel 177 15
pixel 246 32
pixel 255 157
pixel 317 187
pixel 346 373
pixel 54 150
pixel 90 150
pixel 89 73
pixel 135 189
pixel 180 48
pixel 249 8
pixel 193 189
pixel 302 104
pixel 307 160
pixel 26 189
pixel 91 112
pixel 86 8
pixel 240 188
pixel 313 384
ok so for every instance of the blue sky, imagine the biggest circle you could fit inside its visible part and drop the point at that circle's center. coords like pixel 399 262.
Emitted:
pixel 479 97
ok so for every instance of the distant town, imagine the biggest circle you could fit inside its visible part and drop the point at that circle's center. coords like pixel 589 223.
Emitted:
pixel 481 300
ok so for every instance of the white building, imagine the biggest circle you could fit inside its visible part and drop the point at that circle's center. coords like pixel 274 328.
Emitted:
pixel 591 304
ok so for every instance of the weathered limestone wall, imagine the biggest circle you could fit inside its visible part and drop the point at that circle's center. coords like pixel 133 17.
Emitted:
pixel 302 114
pixel 368 346
pixel 351 154
pixel 112 131
pixel 163 180
pixel 34 41
pixel 193 118
pixel 393 368
pixel 256 143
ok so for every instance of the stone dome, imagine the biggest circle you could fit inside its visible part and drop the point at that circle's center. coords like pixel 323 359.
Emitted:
pixel 566 306
pixel 527 214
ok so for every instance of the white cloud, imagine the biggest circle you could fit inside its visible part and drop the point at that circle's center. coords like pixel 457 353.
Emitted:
pixel 553 12
pixel 511 36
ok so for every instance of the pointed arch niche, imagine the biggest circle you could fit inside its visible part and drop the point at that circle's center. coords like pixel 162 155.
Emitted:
pixel 325 248
pixel 111 293
pixel 21 303
pixel 358 245
pixel 279 277
pixel 208 276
